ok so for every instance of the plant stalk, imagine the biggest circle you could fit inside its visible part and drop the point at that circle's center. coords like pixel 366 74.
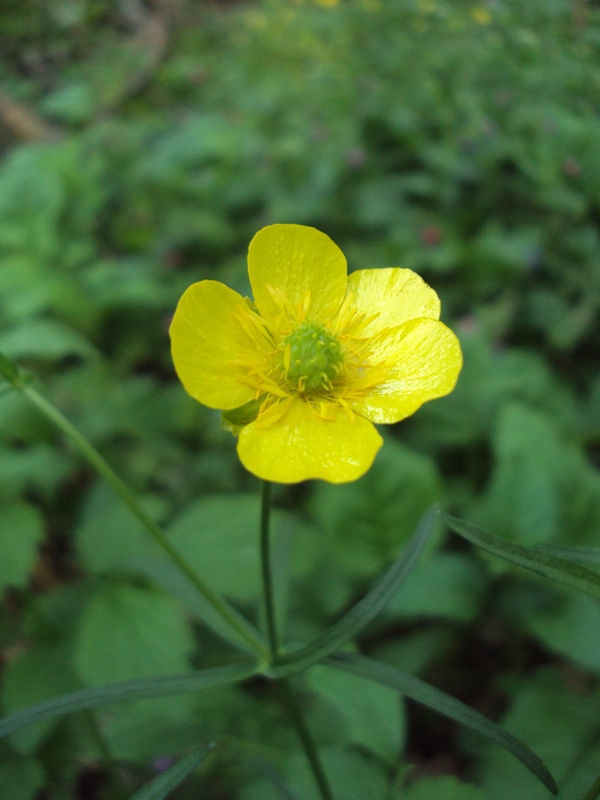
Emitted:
pixel 287 692
pixel 295 711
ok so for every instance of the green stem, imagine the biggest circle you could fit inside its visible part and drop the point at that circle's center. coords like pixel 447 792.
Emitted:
pixel 297 717
pixel 594 790
pixel 267 572
pixel 287 690
pixel 227 612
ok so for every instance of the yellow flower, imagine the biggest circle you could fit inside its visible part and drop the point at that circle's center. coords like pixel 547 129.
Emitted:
pixel 318 356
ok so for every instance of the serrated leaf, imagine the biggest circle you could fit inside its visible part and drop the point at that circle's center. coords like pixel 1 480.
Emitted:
pixel 364 611
pixel 160 787
pixel 128 632
pixel 127 690
pixel 108 534
pixel 21 530
pixel 218 537
pixel 437 700
pixel 373 713
pixel 541 561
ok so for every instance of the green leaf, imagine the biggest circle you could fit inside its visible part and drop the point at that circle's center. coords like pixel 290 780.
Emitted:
pixel 544 563
pixel 169 577
pixel 443 788
pixel 565 628
pixel 35 676
pixel 437 700
pixel 557 720
pixel 364 611
pixel 128 632
pixel 217 536
pixel 128 690
pixel 573 552
pixel 9 370
pixel 45 338
pixel 160 787
pixel 108 534
pixel 21 778
pixel 445 585
pixel 21 530
pixel 368 520
pixel 373 713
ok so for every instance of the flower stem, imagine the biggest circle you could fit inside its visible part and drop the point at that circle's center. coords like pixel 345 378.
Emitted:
pixel 267 572
pixel 288 694
pixel 297 717
pixel 227 612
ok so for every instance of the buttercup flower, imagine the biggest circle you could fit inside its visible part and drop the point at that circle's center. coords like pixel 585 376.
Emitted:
pixel 304 371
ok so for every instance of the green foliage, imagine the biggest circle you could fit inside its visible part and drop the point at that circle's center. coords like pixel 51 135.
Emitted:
pixel 459 139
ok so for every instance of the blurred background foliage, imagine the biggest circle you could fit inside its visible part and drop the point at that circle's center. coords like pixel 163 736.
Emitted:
pixel 142 145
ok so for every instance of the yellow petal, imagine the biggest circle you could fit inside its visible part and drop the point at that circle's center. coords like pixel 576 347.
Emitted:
pixel 392 296
pixel 427 360
pixel 206 338
pixel 297 260
pixel 301 445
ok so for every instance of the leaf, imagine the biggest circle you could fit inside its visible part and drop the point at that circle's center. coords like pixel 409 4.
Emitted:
pixel 363 612
pixel 369 519
pixel 565 628
pixel 446 585
pixel 160 787
pixel 218 537
pixel 574 552
pixel 127 632
pixel 128 690
pixel 373 713
pixel 446 787
pixel 169 577
pixel 108 534
pixel 557 720
pixel 9 370
pixel 35 676
pixel 544 563
pixel 45 338
pixel 352 776
pixel 21 778
pixel 21 530
pixel 437 700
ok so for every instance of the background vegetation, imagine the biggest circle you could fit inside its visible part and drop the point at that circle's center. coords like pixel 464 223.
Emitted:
pixel 142 145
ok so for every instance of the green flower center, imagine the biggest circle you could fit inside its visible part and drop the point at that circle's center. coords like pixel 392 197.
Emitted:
pixel 315 356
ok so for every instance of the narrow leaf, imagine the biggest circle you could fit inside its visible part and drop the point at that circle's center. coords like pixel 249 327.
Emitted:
pixel 544 563
pixel 437 700
pixel 363 612
pixel 159 788
pixel 574 552
pixel 128 690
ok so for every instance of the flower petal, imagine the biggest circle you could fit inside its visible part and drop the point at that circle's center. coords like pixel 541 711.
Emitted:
pixel 297 259
pixel 302 445
pixel 394 295
pixel 428 359
pixel 206 337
